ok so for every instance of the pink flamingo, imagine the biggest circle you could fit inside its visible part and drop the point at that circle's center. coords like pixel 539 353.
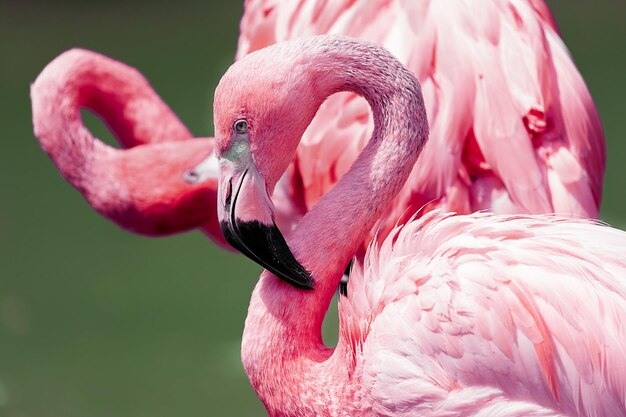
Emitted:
pixel 514 129
pixel 146 188
pixel 469 315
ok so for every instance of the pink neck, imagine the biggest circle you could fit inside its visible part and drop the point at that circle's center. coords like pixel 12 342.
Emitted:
pixel 282 337
pixel 119 94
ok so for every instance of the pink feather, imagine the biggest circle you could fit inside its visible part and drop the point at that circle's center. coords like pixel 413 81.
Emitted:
pixel 497 84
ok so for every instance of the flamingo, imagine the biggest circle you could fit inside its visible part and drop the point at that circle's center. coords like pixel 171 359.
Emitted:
pixel 466 315
pixel 146 188
pixel 514 129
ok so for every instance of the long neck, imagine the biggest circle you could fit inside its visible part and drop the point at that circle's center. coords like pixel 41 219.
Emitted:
pixel 119 94
pixel 284 323
pixel 140 189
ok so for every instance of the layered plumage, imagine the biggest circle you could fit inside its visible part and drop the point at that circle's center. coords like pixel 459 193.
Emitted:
pixel 491 315
pixel 513 127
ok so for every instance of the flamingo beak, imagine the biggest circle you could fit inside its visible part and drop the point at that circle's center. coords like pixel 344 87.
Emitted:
pixel 205 170
pixel 246 215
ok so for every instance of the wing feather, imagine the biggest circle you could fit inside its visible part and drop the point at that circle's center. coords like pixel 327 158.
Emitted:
pixel 531 307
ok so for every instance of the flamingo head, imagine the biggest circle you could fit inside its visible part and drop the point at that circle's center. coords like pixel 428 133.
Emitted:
pixel 156 189
pixel 261 111
pixel 155 184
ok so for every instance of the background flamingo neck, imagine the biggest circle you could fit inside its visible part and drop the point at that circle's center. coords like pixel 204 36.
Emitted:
pixel 119 94
pixel 284 323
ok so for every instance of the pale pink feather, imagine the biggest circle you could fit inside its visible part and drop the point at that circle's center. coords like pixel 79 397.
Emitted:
pixel 531 307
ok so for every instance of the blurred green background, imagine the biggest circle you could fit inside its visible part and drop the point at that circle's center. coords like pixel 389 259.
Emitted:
pixel 97 322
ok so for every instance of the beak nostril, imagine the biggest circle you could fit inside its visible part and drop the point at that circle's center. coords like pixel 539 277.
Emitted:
pixel 191 177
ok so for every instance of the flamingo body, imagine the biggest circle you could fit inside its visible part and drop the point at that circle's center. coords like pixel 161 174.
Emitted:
pixel 490 315
pixel 463 315
pixel 513 127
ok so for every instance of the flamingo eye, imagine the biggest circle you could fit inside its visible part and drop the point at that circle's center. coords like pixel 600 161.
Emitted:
pixel 240 126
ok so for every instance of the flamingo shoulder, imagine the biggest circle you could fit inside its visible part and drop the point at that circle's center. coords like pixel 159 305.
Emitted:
pixel 530 307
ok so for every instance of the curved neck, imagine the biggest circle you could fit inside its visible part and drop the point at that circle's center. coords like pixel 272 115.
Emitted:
pixel 328 237
pixel 118 94
pixel 141 189
pixel 284 323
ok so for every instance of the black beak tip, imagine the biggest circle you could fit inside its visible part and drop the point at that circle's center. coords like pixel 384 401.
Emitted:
pixel 265 245
pixel 299 278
